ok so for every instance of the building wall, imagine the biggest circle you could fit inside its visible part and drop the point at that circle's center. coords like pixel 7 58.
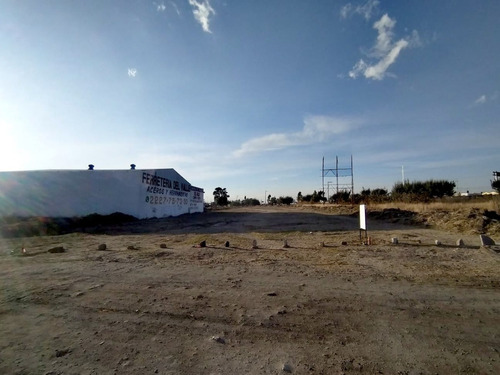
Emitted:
pixel 68 193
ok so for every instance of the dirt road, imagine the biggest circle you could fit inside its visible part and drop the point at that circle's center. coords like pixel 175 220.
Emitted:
pixel 153 302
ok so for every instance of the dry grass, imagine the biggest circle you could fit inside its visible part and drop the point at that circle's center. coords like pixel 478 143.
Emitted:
pixel 484 203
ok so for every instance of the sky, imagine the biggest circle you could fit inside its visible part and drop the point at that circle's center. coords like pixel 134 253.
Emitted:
pixel 252 95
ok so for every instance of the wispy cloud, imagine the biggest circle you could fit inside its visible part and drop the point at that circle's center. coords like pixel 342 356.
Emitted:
pixel 316 129
pixel 480 100
pixel 160 7
pixel 485 98
pixel 176 8
pixel 132 72
pixel 366 10
pixel 202 12
pixel 384 52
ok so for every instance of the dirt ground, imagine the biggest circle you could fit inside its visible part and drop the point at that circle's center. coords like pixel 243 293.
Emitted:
pixel 154 302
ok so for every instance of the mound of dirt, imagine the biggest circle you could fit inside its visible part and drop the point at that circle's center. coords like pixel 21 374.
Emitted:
pixel 46 226
pixel 466 221
pixel 469 221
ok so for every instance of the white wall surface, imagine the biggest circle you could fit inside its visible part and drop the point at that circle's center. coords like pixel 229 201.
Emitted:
pixel 68 193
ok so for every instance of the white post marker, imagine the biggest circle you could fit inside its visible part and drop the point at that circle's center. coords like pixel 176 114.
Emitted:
pixel 362 220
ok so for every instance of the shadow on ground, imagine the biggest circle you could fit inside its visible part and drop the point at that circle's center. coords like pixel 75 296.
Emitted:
pixel 224 221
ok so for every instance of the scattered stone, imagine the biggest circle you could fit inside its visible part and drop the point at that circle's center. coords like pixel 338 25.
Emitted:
pixel 460 243
pixel 282 311
pixel 57 249
pixel 437 243
pixel 218 339
pixel 62 352
pixel 344 243
pixel 203 244
pixel 394 240
pixel 285 244
pixel 132 248
pixel 486 241
pixel 78 294
pixel 226 244
pixel 254 244
pixel 287 368
pixel 102 247
pixel 163 245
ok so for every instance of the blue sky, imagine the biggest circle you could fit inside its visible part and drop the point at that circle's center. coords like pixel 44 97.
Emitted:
pixel 251 95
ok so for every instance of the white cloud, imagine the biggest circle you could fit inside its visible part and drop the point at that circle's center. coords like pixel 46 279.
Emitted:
pixel 366 10
pixel 316 129
pixel 346 10
pixel 384 27
pixel 161 7
pixel 385 50
pixel 176 8
pixel 202 11
pixel 480 100
pixel 132 72
pixel 414 40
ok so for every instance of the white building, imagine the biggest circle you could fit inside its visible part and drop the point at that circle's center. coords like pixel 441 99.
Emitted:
pixel 68 193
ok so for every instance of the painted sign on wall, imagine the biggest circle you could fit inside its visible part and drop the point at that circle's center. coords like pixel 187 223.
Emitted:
pixel 141 193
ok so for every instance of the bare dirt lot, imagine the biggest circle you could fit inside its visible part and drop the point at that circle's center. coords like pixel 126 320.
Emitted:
pixel 154 302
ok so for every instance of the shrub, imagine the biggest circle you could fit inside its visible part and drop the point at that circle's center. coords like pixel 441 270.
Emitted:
pixel 422 190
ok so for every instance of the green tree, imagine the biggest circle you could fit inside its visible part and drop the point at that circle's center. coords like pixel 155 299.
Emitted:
pixel 221 196
pixel 423 190
pixel 343 196
pixel 285 200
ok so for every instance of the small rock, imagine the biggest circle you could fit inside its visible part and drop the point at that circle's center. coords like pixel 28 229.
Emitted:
pixel 102 247
pixel 344 243
pixel 163 245
pixel 285 244
pixel 460 242
pixel 226 244
pixel 272 294
pixel 218 339
pixel 394 240
pixel 203 244
pixel 58 249
pixel 254 244
pixel 287 368
pixel 486 241
pixel 132 248
pixel 437 243
pixel 62 352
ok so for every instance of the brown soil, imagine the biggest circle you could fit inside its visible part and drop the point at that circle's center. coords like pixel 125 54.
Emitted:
pixel 156 302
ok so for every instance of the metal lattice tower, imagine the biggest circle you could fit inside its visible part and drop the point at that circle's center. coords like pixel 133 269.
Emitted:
pixel 344 177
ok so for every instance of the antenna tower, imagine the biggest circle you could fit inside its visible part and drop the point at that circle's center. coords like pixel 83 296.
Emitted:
pixel 343 177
